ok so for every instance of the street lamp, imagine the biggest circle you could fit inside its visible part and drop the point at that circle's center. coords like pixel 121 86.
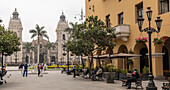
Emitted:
pixel 149 30
pixel 65 48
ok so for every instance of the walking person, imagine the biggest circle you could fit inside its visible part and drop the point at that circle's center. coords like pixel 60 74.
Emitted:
pixel 25 70
pixel 38 70
pixel 21 67
pixel 41 70
pixel 74 70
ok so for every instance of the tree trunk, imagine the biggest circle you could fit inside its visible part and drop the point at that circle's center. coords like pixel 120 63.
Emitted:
pixel 110 59
pixel 99 61
pixel 29 58
pixel 89 67
pixel 91 62
pixel 38 51
pixel 2 66
pixel 48 56
pixel 82 61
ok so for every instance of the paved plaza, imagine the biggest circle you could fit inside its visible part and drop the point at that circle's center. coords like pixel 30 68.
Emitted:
pixel 54 80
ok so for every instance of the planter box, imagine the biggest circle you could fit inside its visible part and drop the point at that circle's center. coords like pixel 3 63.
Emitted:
pixel 145 76
pixel 116 76
pixel 110 77
pixel 122 76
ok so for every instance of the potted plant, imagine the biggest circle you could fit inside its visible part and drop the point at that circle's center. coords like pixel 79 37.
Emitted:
pixel 145 73
pixel 117 74
pixel 110 74
pixel 142 40
pixel 64 54
pixel 157 41
pixel 122 75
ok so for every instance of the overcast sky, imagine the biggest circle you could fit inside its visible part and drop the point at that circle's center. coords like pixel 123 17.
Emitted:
pixel 43 12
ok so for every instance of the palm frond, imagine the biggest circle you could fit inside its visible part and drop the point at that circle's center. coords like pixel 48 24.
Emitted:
pixel 33 35
pixel 42 27
pixel 33 31
pixel 43 32
pixel 45 35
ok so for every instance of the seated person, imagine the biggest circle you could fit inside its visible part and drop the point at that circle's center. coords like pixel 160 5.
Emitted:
pixel 98 73
pixel 96 69
pixel 133 78
pixel 86 72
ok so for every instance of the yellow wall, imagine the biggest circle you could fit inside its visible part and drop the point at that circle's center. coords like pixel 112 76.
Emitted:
pixel 113 7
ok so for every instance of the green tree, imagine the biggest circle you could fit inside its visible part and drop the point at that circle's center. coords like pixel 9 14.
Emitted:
pixel 9 43
pixel 39 32
pixel 28 47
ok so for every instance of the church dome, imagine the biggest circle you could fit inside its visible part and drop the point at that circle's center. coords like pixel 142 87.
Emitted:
pixel 15 12
pixel 62 17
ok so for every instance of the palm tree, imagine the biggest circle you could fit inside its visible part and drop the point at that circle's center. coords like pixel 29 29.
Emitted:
pixel 39 32
pixel 48 46
pixel 28 46
pixel 72 31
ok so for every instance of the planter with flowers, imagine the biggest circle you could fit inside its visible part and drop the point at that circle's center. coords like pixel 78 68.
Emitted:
pixel 64 54
pixel 157 41
pixel 142 40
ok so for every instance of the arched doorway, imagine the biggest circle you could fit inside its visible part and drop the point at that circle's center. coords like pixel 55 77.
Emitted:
pixel 26 59
pixel 143 59
pixel 41 58
pixel 53 59
pixel 122 61
pixel 165 58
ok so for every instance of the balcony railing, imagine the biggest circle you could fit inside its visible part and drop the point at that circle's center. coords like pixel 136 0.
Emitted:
pixel 122 32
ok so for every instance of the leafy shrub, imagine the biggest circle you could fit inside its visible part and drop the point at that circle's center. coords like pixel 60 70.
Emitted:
pixel 123 71
pixel 117 70
pixel 145 69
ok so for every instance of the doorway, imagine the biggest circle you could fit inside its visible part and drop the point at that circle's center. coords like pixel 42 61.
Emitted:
pixel 143 59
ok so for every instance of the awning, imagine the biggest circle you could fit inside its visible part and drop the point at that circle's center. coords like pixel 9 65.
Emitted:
pixel 119 55
pixel 101 56
pixel 124 55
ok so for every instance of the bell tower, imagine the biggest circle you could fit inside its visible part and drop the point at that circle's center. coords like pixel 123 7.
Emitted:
pixel 15 25
pixel 62 37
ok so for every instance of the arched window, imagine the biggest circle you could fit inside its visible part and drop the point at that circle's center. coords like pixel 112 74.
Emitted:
pixel 64 37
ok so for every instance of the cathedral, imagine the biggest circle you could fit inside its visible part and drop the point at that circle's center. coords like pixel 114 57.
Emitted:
pixel 52 55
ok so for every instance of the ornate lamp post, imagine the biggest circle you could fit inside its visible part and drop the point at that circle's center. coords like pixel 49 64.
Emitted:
pixel 64 47
pixel 150 30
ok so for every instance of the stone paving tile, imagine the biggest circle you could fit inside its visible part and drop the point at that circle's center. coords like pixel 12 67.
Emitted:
pixel 54 80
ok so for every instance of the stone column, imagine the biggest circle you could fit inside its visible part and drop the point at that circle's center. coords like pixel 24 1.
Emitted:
pixel 157 65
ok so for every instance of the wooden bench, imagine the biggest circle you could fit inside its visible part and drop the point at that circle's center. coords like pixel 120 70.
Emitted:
pixel 166 86
pixel 137 83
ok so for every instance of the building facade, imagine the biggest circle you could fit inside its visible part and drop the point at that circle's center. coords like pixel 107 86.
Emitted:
pixel 122 16
pixel 52 55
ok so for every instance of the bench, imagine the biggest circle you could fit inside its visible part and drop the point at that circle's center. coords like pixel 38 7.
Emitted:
pixel 166 86
pixel 138 82
pixel 85 73
pixel 2 75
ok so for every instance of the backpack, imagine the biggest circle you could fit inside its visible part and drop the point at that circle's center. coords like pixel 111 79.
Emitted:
pixel 41 67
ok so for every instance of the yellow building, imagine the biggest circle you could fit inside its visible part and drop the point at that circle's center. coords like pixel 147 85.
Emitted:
pixel 122 16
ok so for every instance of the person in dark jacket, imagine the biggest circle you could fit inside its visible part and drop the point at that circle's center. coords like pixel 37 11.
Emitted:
pixel 134 77
pixel 25 70
pixel 38 70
